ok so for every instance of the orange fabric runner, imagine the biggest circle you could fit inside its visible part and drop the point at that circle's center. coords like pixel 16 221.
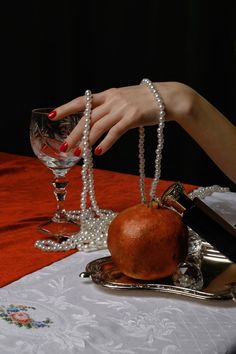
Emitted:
pixel 26 196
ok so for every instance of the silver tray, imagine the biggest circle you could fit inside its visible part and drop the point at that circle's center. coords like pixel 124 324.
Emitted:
pixel 219 280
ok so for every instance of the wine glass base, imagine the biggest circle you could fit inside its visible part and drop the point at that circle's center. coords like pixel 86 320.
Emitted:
pixel 62 229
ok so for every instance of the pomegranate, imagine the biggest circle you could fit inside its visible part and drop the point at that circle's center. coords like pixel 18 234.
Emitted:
pixel 147 241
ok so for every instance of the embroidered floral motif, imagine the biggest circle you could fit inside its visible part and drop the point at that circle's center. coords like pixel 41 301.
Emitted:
pixel 18 315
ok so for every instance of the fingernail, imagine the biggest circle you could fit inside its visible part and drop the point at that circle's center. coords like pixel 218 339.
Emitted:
pixel 98 150
pixel 52 114
pixel 77 151
pixel 63 147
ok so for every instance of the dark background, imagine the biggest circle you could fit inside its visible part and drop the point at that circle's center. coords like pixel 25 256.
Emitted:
pixel 54 51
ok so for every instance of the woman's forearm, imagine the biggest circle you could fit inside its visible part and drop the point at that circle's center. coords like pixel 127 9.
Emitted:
pixel 213 132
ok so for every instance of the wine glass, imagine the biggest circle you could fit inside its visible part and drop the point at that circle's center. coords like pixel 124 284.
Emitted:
pixel 46 137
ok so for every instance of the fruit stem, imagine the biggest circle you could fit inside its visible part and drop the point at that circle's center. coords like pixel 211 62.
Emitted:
pixel 152 203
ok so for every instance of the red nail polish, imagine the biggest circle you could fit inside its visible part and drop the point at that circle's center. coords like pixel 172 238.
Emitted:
pixel 63 147
pixel 52 114
pixel 77 152
pixel 98 150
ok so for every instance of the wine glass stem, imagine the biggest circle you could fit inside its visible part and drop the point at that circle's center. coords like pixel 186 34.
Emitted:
pixel 60 184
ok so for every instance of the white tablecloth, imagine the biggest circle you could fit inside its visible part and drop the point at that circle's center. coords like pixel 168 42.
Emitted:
pixel 55 311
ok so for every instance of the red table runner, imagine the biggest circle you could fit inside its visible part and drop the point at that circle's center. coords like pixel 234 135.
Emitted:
pixel 26 196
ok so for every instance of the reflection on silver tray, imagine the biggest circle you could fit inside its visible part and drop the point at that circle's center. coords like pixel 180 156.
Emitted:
pixel 219 280
pixel 211 253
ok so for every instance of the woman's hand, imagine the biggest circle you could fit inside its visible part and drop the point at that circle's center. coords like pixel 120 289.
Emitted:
pixel 117 110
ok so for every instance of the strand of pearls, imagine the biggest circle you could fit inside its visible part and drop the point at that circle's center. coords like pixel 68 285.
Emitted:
pixel 94 222
pixel 203 192
pixel 200 192
pixel 160 136
pixel 87 167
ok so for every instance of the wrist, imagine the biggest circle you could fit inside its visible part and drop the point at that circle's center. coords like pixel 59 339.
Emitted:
pixel 180 100
pixel 186 105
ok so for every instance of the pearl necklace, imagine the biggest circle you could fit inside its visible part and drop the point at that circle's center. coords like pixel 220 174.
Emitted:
pixel 94 221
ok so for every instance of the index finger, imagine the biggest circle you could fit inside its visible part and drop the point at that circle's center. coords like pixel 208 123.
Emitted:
pixel 74 106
